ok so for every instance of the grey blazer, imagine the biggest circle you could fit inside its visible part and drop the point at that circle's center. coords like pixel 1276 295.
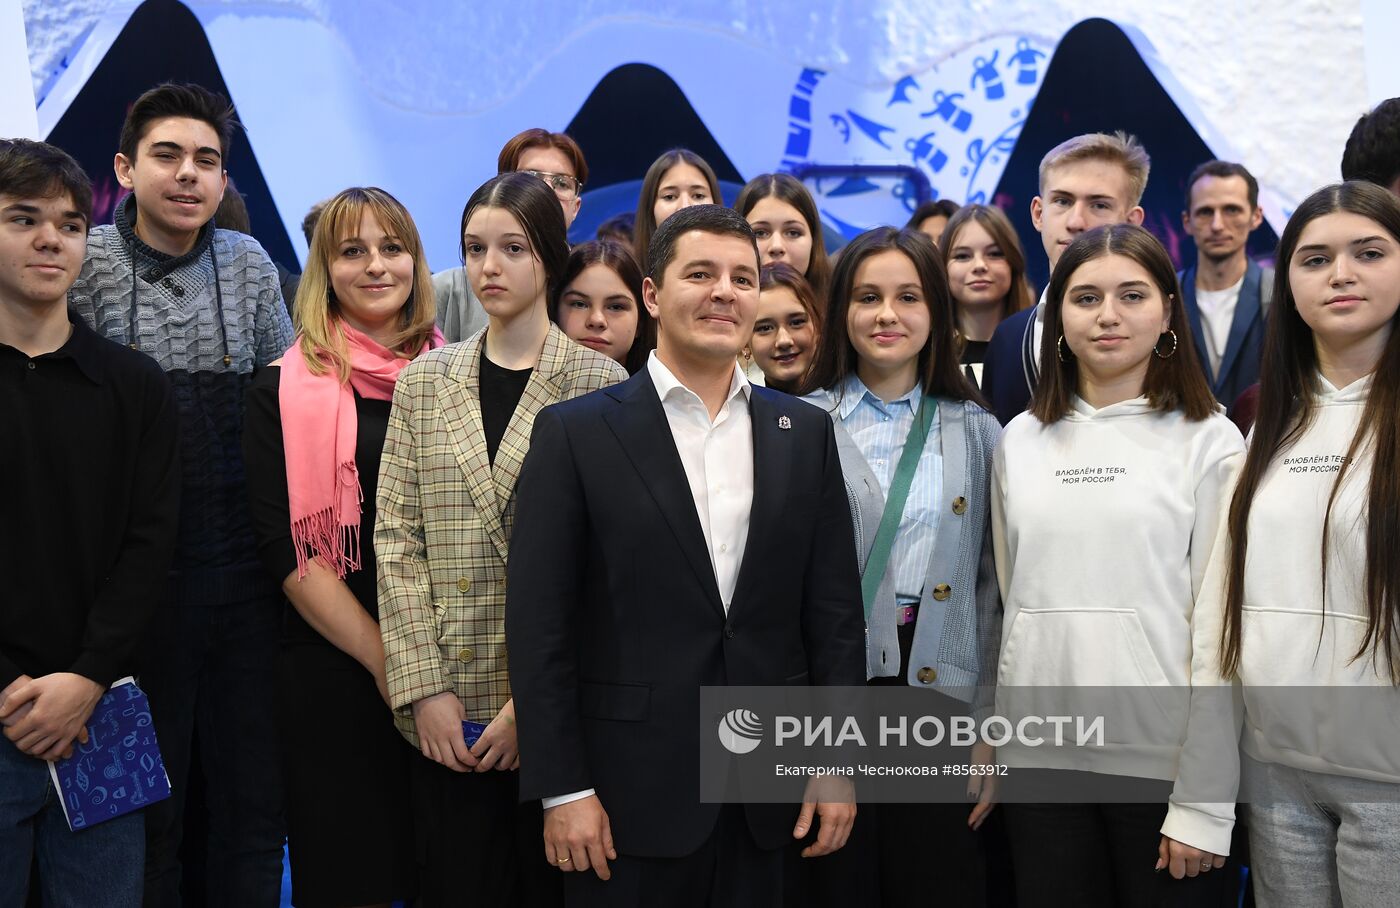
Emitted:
pixel 958 632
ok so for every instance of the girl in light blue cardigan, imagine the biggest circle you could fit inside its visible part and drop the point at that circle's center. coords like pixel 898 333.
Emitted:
pixel 887 351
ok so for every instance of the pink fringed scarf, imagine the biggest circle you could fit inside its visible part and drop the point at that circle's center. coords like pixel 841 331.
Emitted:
pixel 318 437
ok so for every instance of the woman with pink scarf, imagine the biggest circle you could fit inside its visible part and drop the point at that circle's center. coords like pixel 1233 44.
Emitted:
pixel 313 434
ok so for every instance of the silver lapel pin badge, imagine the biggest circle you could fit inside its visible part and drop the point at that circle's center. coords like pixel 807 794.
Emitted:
pixel 784 422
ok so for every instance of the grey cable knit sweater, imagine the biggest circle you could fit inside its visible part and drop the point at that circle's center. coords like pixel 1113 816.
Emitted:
pixel 176 323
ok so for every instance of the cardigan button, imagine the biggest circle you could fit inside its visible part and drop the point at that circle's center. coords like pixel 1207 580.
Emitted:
pixel 942 591
pixel 959 505
pixel 927 675
pixel 463 584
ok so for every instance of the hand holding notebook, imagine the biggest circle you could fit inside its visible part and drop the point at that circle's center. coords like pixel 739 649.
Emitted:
pixel 119 768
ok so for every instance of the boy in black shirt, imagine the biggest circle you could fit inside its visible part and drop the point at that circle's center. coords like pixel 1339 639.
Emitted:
pixel 89 457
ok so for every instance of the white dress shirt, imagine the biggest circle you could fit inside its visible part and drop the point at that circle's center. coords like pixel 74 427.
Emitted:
pixel 718 459
pixel 717 456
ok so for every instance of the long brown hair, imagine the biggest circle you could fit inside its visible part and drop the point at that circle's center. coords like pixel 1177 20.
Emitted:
pixel 1174 383
pixel 316 313
pixel 1288 391
pixel 646 200
pixel 938 368
pixel 618 259
pixel 788 188
pixel 999 228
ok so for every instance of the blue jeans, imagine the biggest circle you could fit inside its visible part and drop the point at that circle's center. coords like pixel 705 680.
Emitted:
pixel 99 865
pixel 212 671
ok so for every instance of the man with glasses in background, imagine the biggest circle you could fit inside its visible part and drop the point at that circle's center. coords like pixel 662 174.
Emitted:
pixel 553 157
pixel 1225 294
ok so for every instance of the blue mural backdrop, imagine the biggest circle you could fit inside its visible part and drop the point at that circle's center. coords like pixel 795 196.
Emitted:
pixel 162 41
pixel 1133 101
pixel 957 123
pixel 971 128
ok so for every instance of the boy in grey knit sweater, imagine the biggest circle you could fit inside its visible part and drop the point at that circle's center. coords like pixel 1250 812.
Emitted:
pixel 205 304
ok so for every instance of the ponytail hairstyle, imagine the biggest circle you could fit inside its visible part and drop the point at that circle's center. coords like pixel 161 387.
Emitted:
pixel 537 209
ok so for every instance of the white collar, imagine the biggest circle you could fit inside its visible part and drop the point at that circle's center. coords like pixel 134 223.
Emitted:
pixel 667 384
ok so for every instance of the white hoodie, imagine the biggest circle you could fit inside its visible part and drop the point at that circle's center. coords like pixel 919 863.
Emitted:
pixel 1289 640
pixel 1102 524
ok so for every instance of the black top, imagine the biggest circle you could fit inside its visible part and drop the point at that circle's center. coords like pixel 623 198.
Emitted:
pixel 92 483
pixel 974 352
pixel 501 390
pixel 266 464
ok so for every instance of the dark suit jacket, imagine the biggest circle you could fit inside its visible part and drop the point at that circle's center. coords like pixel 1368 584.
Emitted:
pixel 614 619
pixel 1010 369
pixel 1239 364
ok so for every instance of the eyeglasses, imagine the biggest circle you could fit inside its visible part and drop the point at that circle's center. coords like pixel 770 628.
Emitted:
pixel 564 186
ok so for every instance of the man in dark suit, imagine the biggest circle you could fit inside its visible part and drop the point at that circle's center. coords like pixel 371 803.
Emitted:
pixel 679 530
pixel 1085 182
pixel 1226 295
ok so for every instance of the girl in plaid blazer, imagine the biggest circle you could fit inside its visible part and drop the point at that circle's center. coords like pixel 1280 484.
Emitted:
pixel 458 433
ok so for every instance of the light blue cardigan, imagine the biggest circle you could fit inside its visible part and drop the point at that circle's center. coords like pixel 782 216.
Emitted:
pixel 958 636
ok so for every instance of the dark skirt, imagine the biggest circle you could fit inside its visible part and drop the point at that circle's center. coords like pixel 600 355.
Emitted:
pixel 349 799
pixel 478 845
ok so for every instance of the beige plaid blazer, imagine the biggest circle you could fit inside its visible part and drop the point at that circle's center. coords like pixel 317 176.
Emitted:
pixel 442 534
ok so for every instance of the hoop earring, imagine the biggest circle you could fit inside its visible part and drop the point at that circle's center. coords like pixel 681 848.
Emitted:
pixel 1060 351
pixel 1169 353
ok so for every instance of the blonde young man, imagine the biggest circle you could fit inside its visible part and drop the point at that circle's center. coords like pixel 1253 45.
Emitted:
pixel 1085 182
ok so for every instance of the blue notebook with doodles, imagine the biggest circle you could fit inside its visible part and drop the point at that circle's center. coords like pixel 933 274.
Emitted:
pixel 119 769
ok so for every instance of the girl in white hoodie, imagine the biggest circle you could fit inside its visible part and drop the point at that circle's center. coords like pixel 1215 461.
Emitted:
pixel 1303 613
pixel 1105 502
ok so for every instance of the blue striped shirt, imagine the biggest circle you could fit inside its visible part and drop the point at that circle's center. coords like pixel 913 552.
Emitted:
pixel 879 430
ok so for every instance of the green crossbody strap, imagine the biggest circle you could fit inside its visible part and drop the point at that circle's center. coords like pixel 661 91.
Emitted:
pixel 894 503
